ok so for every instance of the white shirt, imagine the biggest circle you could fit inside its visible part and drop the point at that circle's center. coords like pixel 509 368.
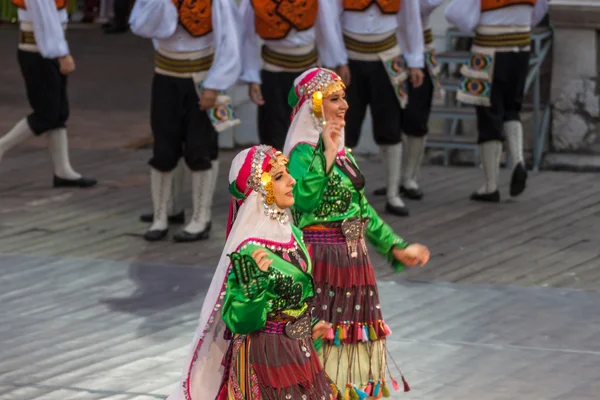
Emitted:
pixel 47 26
pixel 427 8
pixel 326 34
pixel 158 20
pixel 467 14
pixel 406 23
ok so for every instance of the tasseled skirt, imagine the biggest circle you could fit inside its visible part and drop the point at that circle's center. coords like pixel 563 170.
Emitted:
pixel 271 366
pixel 354 354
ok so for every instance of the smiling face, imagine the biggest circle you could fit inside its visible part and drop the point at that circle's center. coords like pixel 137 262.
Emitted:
pixel 335 107
pixel 283 184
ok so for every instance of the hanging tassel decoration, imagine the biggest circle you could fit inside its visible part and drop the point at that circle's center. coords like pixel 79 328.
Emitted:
pixel 347 393
pixel 354 394
pixel 361 394
pixel 385 390
pixel 365 334
pixel 406 387
pixel 394 384
pixel 376 391
pixel 330 334
pixel 339 395
pixel 369 390
pixel 338 332
pixel 386 328
pixel 372 334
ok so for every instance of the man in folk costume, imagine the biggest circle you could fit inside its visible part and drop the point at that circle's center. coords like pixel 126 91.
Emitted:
pixel 296 35
pixel 45 62
pixel 197 56
pixel 378 71
pixel 415 117
pixel 494 80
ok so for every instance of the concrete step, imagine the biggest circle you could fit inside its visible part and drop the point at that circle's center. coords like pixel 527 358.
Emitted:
pixel 453 113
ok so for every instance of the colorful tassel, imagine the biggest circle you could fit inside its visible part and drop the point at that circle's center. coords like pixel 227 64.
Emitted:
pixel 361 394
pixel 330 334
pixel 369 390
pixel 339 395
pixel 365 334
pixel 376 391
pixel 385 390
pixel 318 343
pixel 406 387
pixel 336 341
pixel 353 394
pixel 394 384
pixel 386 328
pixel 347 393
pixel 372 334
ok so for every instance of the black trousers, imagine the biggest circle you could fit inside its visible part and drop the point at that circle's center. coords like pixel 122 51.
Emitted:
pixel 46 91
pixel 508 86
pixel 179 127
pixel 415 117
pixel 274 116
pixel 121 9
pixel 371 86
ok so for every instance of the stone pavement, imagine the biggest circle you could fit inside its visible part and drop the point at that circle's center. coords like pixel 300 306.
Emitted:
pixel 506 308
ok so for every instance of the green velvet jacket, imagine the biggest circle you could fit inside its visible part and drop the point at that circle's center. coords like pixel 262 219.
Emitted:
pixel 253 296
pixel 330 196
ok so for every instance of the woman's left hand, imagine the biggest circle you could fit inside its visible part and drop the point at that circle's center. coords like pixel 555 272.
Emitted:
pixel 320 330
pixel 415 254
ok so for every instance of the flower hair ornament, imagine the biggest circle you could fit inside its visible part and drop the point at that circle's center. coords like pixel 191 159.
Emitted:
pixel 258 177
pixel 315 87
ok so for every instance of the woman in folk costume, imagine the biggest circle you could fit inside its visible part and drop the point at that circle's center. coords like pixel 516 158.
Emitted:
pixel 255 336
pixel 335 216
pixel 493 80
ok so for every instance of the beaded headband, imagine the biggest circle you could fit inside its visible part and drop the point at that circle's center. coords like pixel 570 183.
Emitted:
pixel 323 84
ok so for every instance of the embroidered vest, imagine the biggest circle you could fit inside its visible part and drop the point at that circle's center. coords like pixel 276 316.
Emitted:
pixel 195 16
pixel 275 18
pixel 60 4
pixel 386 6
pixel 489 5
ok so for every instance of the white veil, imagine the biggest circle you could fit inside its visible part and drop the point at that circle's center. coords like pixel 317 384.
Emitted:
pixel 305 127
pixel 203 372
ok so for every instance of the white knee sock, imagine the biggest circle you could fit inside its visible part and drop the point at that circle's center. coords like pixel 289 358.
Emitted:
pixel 58 144
pixel 17 135
pixel 160 185
pixel 391 156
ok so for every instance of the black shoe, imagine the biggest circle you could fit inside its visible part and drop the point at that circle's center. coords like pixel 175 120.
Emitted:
pixel 399 211
pixel 380 192
pixel 185 236
pixel 73 183
pixel 413 194
pixel 156 235
pixel 493 197
pixel 518 180
pixel 178 218
pixel 116 29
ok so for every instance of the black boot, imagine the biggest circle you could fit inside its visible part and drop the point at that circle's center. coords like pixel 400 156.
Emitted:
pixel 518 181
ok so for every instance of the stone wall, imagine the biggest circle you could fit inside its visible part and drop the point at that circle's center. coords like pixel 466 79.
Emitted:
pixel 575 89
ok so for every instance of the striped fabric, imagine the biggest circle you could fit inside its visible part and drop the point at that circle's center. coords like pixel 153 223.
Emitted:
pixel 182 66
pixel 289 61
pixel 370 47
pixel 520 39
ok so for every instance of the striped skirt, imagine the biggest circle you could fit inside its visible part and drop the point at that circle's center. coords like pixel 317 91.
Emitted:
pixel 354 354
pixel 268 365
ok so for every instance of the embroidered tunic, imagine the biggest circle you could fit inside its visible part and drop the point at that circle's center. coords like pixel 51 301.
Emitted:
pixel 323 33
pixel 161 21
pixel 285 288
pixel 336 196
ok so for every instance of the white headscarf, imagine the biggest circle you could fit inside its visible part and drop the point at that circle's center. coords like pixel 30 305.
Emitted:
pixel 203 371
pixel 306 127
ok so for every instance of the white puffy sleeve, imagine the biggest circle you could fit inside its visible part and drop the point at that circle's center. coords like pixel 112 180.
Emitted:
pixel 251 62
pixel 410 33
pixel 332 51
pixel 464 14
pixel 153 19
pixel 47 28
pixel 227 65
